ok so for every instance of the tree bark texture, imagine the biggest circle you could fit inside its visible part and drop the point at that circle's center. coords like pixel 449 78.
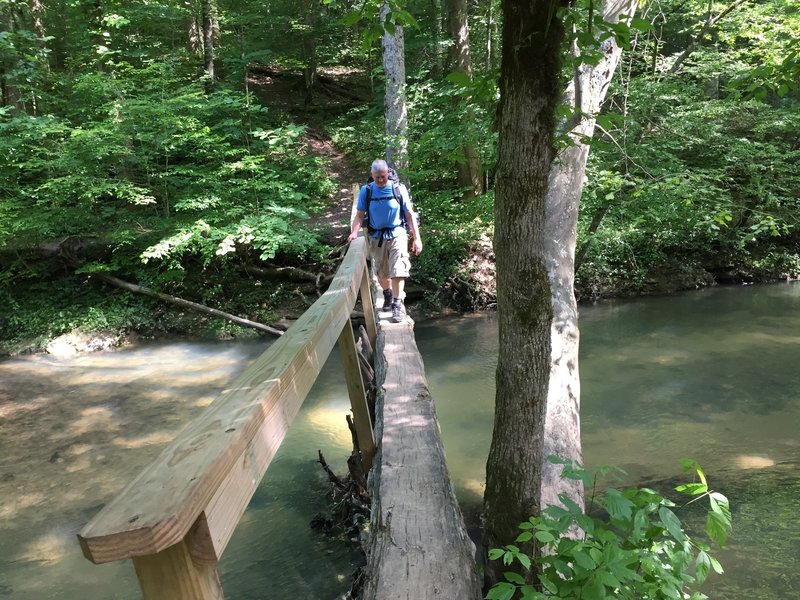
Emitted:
pixel 437 60
pixel 529 93
pixel 395 108
pixel 10 92
pixel 209 16
pixel 311 9
pixel 562 426
pixel 469 171
pixel 37 17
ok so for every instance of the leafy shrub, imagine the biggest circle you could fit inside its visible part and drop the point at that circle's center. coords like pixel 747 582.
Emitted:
pixel 638 550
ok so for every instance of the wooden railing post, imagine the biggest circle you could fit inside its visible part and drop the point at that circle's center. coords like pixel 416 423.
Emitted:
pixel 369 307
pixel 185 571
pixel 358 397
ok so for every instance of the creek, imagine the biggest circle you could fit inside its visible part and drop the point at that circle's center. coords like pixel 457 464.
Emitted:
pixel 709 375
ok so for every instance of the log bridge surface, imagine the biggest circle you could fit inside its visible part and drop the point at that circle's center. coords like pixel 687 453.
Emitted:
pixel 176 517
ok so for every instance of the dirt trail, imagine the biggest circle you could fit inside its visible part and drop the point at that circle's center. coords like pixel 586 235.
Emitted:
pixel 334 221
pixel 337 91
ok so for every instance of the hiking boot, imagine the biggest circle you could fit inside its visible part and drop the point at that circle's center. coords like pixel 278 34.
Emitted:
pixel 397 311
pixel 387 300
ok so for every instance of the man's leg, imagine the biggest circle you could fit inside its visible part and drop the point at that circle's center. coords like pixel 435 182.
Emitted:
pixel 399 269
pixel 398 288
pixel 380 261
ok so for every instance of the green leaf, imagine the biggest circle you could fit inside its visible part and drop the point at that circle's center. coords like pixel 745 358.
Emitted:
pixel 501 591
pixel 582 559
pixel 693 489
pixel 545 537
pixel 495 553
pixel 523 537
pixel 524 560
pixel 514 577
pixel 617 505
pixel 548 585
pixel 701 565
pixel 715 565
pixel 717 528
pixel 671 523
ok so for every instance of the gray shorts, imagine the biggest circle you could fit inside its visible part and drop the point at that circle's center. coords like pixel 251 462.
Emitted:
pixel 391 258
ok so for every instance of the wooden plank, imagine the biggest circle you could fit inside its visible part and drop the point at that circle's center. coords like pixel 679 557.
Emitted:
pixel 174 574
pixel 358 396
pixel 218 460
pixel 367 303
pixel 419 548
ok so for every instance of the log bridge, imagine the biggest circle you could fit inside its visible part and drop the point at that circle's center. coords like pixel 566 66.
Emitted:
pixel 176 517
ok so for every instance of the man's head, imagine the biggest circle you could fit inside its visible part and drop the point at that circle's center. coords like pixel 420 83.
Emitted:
pixel 380 172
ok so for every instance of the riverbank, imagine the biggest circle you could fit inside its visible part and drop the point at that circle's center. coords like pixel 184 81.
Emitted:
pixel 110 320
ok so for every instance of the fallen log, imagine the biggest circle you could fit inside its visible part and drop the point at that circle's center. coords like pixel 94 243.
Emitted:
pixel 288 274
pixel 201 308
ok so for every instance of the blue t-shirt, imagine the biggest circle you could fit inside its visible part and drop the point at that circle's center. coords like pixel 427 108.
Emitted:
pixel 385 213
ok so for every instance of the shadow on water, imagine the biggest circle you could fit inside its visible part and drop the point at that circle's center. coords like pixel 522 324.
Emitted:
pixel 74 432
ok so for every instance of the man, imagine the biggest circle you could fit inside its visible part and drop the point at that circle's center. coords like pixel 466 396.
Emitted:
pixel 387 235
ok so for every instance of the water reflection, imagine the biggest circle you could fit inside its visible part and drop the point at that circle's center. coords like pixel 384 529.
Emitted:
pixel 710 375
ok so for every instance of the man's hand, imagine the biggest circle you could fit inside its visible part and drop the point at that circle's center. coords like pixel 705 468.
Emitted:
pixel 417 246
pixel 353 235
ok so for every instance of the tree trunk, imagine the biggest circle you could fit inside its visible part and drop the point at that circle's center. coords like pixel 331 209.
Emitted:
pixel 37 15
pixel 438 34
pixel 93 9
pixel 562 427
pixel 395 108
pixel 309 48
pixel 10 92
pixel 469 171
pixel 209 18
pixel 529 93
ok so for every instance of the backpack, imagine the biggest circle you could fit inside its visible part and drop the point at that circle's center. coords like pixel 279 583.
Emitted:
pixel 396 194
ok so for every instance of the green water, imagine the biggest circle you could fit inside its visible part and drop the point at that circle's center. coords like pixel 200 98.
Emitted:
pixel 710 375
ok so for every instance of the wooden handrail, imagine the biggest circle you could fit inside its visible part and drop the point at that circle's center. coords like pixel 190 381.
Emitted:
pixel 176 517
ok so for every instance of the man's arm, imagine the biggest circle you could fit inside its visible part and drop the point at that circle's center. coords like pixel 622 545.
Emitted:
pixel 361 212
pixel 355 226
pixel 411 219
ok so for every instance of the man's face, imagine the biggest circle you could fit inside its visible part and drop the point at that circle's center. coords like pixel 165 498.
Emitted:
pixel 381 177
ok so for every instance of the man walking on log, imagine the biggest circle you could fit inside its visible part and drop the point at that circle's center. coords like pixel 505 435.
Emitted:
pixel 384 208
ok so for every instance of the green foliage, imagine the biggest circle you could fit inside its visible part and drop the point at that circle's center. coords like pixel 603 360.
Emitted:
pixel 450 226
pixel 637 550
pixel 216 166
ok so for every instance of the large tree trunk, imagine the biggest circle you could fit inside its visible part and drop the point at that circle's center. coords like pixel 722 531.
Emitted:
pixel 562 426
pixel 469 171
pixel 529 93
pixel 395 108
